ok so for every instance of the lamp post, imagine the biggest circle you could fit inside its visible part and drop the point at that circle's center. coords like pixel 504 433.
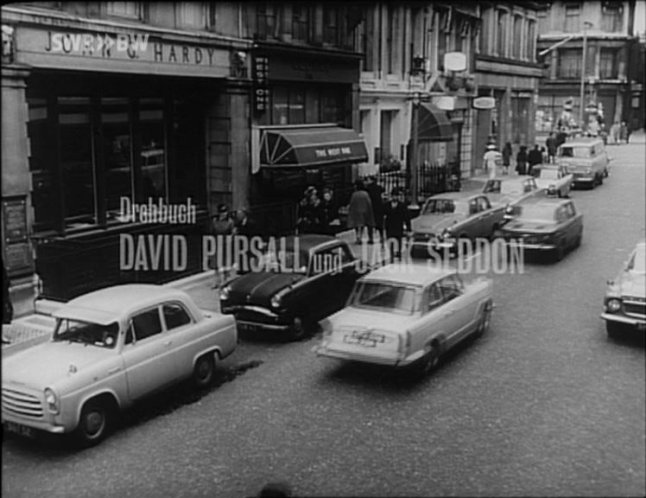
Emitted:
pixel 586 25
pixel 414 152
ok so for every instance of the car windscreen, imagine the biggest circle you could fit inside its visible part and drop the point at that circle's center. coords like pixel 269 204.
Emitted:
pixel 445 206
pixel 575 152
pixel 384 297
pixel 638 262
pixel 549 174
pixel 94 334
pixel 286 261
pixel 537 213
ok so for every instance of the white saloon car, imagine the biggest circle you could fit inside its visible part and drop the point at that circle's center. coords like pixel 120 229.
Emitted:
pixel 110 348
pixel 555 180
pixel 407 316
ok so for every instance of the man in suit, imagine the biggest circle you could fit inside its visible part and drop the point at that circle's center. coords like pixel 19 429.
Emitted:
pixel 396 223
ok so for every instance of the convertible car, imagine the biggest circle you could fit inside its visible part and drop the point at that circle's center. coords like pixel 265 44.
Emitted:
pixel 407 316
pixel 625 300
pixel 110 348
pixel 310 277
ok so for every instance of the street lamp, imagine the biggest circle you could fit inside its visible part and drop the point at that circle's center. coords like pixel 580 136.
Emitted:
pixel 586 25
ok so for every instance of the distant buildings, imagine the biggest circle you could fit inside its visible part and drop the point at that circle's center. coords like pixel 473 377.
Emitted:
pixel 606 27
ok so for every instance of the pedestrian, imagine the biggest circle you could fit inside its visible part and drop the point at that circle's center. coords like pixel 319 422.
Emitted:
pixel 491 159
pixel 7 307
pixel 561 137
pixel 506 158
pixel 376 191
pixel 360 212
pixel 330 221
pixel 309 215
pixel 593 127
pixel 396 223
pixel 534 158
pixel 244 227
pixel 222 226
pixel 521 160
pixel 623 132
pixel 551 145
pixel 614 132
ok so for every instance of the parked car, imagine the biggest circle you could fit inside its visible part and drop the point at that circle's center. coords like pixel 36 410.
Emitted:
pixel 109 349
pixel 625 300
pixel 586 159
pixel 545 225
pixel 554 179
pixel 407 316
pixel 446 218
pixel 508 191
pixel 312 278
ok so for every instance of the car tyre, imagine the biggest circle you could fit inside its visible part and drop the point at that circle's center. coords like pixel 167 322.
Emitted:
pixel 94 423
pixel 559 252
pixel 577 241
pixel 298 329
pixel 600 181
pixel 613 329
pixel 485 319
pixel 204 371
pixel 427 363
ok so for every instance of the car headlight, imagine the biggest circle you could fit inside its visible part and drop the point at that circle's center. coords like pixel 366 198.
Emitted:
pixel 588 171
pixel 613 305
pixel 276 301
pixel 551 188
pixel 224 293
pixel 52 401
pixel 446 234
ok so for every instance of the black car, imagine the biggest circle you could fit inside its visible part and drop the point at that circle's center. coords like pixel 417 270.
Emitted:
pixel 302 280
pixel 545 225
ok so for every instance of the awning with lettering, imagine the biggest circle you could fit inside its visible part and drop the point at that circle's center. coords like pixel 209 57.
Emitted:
pixel 433 124
pixel 310 146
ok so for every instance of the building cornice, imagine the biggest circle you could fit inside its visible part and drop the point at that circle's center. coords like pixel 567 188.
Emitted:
pixel 55 19
pixel 491 64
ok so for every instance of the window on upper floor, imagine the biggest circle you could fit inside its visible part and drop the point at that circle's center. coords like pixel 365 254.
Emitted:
pixel 331 24
pixel 611 16
pixel 266 20
pixel 608 63
pixel 367 39
pixel 391 39
pixel 569 63
pixel 572 17
pixel 485 30
pixel 190 15
pixel 301 20
pixel 517 42
pixel 530 41
pixel 501 33
pixel 131 10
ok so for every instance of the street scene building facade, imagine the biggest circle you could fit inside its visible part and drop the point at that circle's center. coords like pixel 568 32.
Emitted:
pixel 599 86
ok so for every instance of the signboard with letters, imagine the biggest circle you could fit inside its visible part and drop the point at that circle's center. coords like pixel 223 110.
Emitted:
pixel 260 88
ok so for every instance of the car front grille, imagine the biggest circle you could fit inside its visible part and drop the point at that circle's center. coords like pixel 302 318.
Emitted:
pixel 634 308
pixel 21 403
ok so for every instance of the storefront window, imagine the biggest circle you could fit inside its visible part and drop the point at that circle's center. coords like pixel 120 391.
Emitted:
pixel 77 170
pixel 152 155
pixel 279 106
pixel 297 106
pixel 117 151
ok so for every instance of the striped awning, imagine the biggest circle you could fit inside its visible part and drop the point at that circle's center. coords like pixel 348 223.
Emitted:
pixel 304 146
pixel 433 124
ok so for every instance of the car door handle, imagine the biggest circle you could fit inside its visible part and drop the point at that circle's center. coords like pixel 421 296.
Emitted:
pixel 113 370
pixel 168 343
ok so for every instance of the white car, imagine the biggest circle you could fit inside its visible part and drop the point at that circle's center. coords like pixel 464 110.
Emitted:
pixel 555 180
pixel 407 316
pixel 109 349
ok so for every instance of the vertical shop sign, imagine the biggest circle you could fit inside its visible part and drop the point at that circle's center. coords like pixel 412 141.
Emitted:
pixel 260 88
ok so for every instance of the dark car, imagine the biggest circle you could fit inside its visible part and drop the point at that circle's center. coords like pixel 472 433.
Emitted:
pixel 303 280
pixel 446 218
pixel 546 225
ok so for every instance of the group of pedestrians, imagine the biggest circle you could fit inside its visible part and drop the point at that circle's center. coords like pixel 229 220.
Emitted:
pixel 316 214
pixel 619 132
pixel 495 162
pixel 369 211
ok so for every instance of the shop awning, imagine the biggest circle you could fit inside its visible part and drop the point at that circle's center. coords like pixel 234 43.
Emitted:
pixel 303 146
pixel 433 124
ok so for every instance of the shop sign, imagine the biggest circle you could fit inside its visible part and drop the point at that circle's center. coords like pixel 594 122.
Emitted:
pixel 332 152
pixel 260 88
pixel 14 217
pixel 446 103
pixel 127 51
pixel 484 103
pixel 455 61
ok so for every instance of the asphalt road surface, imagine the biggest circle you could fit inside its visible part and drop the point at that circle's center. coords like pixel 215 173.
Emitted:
pixel 543 405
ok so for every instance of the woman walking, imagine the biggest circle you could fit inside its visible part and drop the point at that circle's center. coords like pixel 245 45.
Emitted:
pixel 360 213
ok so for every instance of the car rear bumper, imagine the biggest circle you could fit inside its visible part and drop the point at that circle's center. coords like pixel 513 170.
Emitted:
pixel 339 353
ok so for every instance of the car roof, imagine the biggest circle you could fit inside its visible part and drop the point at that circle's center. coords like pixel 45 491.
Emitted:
pixel 417 274
pixel 309 241
pixel 456 196
pixel 582 141
pixel 544 201
pixel 108 305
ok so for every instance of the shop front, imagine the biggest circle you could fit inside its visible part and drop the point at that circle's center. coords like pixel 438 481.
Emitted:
pixel 113 180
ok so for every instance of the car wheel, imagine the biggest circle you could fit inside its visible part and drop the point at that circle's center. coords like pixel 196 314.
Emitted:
pixel 613 329
pixel 485 319
pixel 605 173
pixel 600 181
pixel 93 423
pixel 204 371
pixel 577 241
pixel 298 329
pixel 559 252
pixel 429 361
